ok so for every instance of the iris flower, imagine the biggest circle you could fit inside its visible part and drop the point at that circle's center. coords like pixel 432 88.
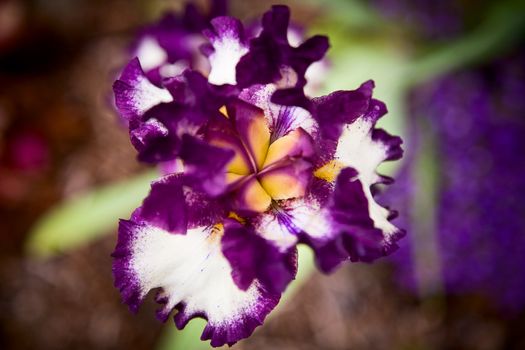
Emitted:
pixel 258 167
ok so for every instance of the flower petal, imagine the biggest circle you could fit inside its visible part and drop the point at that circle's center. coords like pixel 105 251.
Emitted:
pixel 156 136
pixel 297 143
pixel 195 279
pixel 254 258
pixel 205 165
pixel 351 226
pixel 251 196
pixel 147 132
pixel 283 118
pixel 270 52
pixel 333 111
pixel 165 205
pixel 227 40
pixel 287 180
pixel 195 103
pixel 253 130
pixel 174 207
pixel 275 227
pixel 220 132
pixel 193 90
pixel 363 147
pixel 150 54
pixel 135 94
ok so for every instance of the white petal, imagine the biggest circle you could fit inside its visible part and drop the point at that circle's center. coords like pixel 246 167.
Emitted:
pixel 150 54
pixel 190 268
pixel 194 276
pixel 269 227
pixel 228 52
pixel 358 150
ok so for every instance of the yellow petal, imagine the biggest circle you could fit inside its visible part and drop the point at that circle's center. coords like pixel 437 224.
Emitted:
pixel 282 147
pixel 282 186
pixel 258 135
pixel 255 197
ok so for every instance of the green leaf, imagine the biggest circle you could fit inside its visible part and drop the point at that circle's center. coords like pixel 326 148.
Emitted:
pixel 87 217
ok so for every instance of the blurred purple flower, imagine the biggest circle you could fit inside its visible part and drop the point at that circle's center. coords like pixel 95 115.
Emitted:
pixel 477 120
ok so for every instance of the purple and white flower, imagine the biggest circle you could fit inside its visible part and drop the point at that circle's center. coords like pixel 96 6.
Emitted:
pixel 261 168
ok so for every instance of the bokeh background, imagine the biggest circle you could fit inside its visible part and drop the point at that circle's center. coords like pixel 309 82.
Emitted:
pixel 453 76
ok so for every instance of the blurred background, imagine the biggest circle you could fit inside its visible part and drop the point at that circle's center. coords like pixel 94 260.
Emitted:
pixel 453 76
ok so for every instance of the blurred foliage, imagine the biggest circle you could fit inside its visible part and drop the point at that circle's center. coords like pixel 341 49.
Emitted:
pixel 85 218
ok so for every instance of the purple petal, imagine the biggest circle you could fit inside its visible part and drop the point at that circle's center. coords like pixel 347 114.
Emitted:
pixel 392 144
pixel 252 257
pixel 276 22
pixel 270 52
pixel 192 89
pixel 205 165
pixel 310 51
pixel 146 133
pixel 291 97
pixel 128 286
pixel 173 206
pixel 165 205
pixel 175 34
pixel 156 138
pixel 135 94
pixel 333 111
pixel 195 103
pixel 203 210
pixel 170 45
pixel 346 229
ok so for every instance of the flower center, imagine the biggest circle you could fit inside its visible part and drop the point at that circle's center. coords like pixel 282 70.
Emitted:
pixel 261 171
